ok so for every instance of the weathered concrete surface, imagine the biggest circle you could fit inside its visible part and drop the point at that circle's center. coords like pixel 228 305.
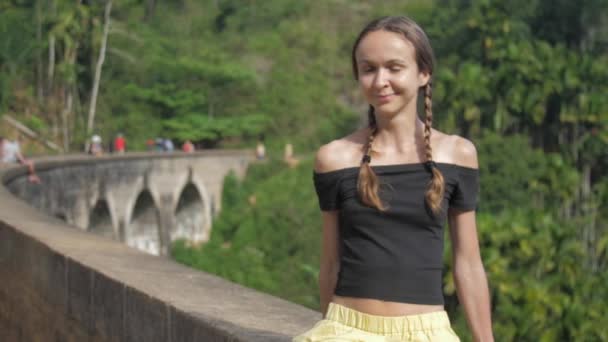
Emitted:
pixel 59 283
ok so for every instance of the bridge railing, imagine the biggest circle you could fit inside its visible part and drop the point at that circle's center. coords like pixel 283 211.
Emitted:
pixel 58 282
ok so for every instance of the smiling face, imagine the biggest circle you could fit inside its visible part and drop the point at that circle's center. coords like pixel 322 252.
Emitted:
pixel 387 71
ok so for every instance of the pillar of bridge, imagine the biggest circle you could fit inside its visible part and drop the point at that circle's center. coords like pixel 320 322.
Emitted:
pixel 122 197
pixel 166 222
pixel 78 213
pixel 214 171
pixel 164 182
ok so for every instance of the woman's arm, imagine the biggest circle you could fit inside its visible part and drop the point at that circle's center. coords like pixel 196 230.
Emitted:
pixel 329 158
pixel 330 259
pixel 469 274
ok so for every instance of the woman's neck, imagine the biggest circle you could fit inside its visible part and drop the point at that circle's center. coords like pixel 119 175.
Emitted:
pixel 398 133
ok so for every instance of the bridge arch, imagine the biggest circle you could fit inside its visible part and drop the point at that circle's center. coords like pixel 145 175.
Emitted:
pixel 100 219
pixel 143 225
pixel 192 197
pixel 191 216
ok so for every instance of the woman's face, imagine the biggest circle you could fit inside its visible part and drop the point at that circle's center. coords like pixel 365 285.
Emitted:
pixel 388 74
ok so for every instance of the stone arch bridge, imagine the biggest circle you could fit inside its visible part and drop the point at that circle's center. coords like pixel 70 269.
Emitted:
pixel 145 200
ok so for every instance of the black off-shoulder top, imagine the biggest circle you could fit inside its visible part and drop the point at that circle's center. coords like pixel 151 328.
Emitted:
pixel 394 255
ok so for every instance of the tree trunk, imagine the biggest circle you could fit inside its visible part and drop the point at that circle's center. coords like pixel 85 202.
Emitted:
pixel 100 60
pixel 65 115
pixel 51 68
pixel 58 99
pixel 68 96
pixel 150 9
pixel 39 78
pixel 589 215
pixel 51 65
pixel 23 129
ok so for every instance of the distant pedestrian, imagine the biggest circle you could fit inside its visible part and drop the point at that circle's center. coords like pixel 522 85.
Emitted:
pixel 288 156
pixel 10 152
pixel 160 144
pixel 168 145
pixel 150 144
pixel 96 147
pixel 260 150
pixel 120 144
pixel 187 146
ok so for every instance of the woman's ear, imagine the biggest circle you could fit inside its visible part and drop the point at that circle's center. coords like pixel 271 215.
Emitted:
pixel 423 78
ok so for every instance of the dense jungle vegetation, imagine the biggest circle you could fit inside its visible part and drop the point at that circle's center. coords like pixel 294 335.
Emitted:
pixel 525 80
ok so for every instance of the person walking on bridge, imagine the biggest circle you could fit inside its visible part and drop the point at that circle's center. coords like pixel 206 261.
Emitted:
pixel 120 144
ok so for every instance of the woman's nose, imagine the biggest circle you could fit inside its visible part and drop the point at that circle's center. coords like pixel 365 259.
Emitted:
pixel 380 78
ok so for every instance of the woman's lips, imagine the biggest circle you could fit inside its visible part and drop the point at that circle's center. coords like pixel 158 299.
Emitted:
pixel 385 98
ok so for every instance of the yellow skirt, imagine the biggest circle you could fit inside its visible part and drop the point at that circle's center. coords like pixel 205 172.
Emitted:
pixel 345 324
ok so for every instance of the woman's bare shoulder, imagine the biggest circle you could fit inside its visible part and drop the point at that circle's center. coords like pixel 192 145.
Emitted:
pixel 341 153
pixel 454 149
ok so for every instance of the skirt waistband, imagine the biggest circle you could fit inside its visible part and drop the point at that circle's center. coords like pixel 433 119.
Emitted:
pixel 387 324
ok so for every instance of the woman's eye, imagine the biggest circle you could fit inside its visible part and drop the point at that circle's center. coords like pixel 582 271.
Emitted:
pixel 395 69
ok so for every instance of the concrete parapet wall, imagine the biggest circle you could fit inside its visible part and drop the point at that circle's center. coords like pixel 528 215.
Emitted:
pixel 59 283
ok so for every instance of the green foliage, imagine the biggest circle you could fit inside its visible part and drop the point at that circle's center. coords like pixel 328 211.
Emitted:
pixel 516 175
pixel 16 50
pixel 289 62
pixel 267 234
pixel 17 45
pixel 35 123
pixel 539 290
pixel 197 127
pixel 494 71
pixel 197 96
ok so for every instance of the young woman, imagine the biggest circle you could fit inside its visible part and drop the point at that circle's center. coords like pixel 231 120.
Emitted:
pixel 385 192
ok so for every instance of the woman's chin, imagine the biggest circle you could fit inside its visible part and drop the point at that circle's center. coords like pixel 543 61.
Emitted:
pixel 386 109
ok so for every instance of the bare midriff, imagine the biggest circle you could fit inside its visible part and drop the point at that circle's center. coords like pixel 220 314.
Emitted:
pixel 385 308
